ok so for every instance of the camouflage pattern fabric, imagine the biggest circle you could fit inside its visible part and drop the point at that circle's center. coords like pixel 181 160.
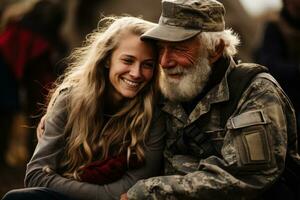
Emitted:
pixel 249 153
pixel 208 15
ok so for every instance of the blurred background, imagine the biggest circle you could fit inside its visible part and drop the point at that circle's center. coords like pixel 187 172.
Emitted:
pixel 35 36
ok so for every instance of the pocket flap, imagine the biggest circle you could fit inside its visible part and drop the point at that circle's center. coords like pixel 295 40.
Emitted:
pixel 250 118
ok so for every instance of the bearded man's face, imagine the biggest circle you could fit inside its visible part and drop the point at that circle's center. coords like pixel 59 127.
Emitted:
pixel 184 69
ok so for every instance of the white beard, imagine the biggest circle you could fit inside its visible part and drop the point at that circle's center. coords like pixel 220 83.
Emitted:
pixel 189 85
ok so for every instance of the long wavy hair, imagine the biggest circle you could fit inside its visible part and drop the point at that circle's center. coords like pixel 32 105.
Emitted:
pixel 89 136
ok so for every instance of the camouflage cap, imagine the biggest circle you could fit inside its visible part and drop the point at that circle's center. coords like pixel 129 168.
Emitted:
pixel 183 19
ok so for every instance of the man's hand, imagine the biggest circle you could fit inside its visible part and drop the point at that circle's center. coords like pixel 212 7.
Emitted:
pixel 40 128
pixel 124 197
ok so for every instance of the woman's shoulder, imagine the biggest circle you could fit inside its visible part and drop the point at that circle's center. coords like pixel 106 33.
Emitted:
pixel 58 103
pixel 62 95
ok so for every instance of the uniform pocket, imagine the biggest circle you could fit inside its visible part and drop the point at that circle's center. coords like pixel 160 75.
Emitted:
pixel 252 140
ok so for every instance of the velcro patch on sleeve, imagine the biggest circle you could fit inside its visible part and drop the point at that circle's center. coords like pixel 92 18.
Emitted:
pixel 250 118
pixel 254 148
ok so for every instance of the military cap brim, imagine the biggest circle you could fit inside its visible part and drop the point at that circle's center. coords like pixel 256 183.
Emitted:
pixel 169 33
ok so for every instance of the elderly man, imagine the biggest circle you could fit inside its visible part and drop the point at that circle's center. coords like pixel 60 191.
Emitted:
pixel 230 126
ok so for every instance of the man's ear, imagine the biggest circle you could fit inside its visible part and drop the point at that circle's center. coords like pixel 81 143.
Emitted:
pixel 214 56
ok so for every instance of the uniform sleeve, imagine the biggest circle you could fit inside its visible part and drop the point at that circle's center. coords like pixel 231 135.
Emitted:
pixel 43 168
pixel 252 155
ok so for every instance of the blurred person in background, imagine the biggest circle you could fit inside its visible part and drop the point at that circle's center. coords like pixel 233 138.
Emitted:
pixel 30 51
pixel 280 51
pixel 9 101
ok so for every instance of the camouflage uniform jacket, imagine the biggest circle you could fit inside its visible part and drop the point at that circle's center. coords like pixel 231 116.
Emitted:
pixel 247 155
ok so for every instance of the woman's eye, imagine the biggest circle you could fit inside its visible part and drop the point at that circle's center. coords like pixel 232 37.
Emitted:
pixel 149 65
pixel 127 61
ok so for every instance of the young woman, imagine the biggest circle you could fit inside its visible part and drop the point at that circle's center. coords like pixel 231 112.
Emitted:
pixel 101 131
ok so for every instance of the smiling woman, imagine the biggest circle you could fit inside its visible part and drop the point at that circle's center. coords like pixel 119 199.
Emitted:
pixel 101 131
pixel 131 67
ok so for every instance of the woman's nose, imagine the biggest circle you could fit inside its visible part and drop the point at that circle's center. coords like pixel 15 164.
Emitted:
pixel 135 71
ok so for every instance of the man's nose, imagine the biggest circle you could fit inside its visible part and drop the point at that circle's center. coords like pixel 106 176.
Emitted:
pixel 165 59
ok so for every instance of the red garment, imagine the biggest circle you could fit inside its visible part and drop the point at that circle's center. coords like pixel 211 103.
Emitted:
pixel 109 170
pixel 19 45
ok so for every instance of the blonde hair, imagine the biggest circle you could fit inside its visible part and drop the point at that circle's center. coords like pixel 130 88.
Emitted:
pixel 89 137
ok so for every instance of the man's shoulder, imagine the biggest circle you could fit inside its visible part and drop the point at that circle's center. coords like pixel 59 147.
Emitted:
pixel 247 67
pixel 246 75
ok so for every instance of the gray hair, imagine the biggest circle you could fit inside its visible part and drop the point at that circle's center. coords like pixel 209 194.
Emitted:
pixel 210 40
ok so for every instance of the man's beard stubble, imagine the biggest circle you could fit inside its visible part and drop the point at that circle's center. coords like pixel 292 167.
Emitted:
pixel 190 85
